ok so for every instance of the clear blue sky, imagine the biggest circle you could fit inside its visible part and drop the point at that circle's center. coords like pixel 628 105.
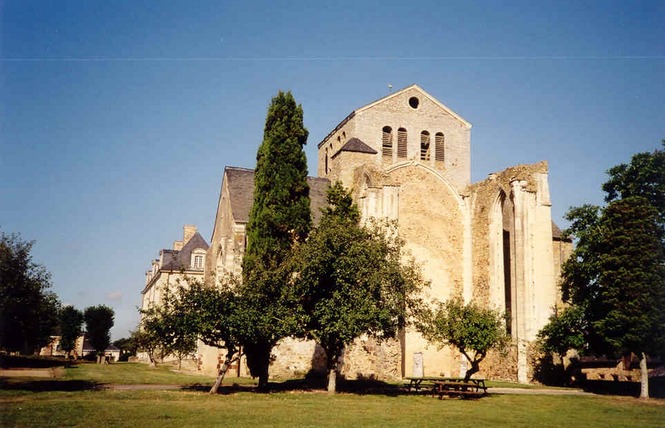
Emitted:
pixel 117 118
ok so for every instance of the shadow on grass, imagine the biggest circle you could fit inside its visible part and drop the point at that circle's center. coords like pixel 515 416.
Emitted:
pixel 48 385
pixel 311 385
pixel 623 388
pixel 31 362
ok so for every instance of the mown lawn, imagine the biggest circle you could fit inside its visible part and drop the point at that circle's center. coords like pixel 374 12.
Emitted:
pixel 133 373
pixel 24 404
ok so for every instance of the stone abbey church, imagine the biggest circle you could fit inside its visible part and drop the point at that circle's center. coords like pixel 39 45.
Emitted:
pixel 406 157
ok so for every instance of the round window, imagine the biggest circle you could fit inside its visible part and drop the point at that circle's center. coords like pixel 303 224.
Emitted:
pixel 413 102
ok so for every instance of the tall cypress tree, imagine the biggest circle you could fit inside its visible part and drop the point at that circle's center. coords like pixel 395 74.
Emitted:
pixel 280 216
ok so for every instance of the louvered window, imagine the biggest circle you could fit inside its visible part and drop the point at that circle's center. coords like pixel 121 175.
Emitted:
pixel 401 143
pixel 424 146
pixel 439 147
pixel 387 142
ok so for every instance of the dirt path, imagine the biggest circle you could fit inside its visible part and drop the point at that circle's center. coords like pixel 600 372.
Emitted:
pixel 537 391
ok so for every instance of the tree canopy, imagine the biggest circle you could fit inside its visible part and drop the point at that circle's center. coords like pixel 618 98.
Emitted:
pixel 28 309
pixel 98 324
pixel 643 176
pixel 470 328
pixel 172 324
pixel 280 216
pixel 71 320
pixel 215 315
pixel 615 279
pixel 350 280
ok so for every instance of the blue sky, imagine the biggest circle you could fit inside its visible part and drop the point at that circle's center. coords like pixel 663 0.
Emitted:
pixel 117 118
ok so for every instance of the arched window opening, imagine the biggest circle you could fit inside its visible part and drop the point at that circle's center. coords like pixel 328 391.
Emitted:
pixel 439 147
pixel 401 143
pixel 424 146
pixel 387 142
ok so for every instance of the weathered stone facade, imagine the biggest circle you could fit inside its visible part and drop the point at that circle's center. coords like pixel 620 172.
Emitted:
pixel 406 157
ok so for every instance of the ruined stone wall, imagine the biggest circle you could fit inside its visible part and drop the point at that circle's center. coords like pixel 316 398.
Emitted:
pixel 431 221
pixel 484 196
pixel 500 365
pixel 365 358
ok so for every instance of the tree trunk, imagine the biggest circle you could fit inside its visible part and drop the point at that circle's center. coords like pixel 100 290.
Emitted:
pixel 475 368
pixel 644 377
pixel 263 380
pixel 222 372
pixel 332 379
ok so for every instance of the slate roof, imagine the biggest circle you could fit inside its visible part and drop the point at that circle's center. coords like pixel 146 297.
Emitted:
pixel 182 259
pixel 240 182
pixel 356 145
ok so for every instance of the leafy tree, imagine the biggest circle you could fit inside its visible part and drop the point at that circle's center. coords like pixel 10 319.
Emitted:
pixel 629 310
pixel 147 338
pixel 71 320
pixel 280 216
pixel 127 346
pixel 350 281
pixel 217 319
pixel 28 310
pixel 176 326
pixel 643 176
pixel 471 329
pixel 98 324
pixel 615 277
pixel 564 331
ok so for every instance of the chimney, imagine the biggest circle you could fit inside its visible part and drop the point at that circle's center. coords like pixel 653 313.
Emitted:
pixel 177 245
pixel 189 230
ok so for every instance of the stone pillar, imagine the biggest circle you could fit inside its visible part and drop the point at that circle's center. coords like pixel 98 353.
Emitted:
pixel 519 298
pixel 467 278
pixel 391 202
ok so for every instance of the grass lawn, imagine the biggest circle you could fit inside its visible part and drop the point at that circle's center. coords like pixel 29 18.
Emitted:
pixel 22 404
pixel 133 373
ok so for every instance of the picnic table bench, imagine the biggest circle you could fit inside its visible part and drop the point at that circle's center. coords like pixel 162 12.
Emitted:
pixel 458 387
pixel 425 383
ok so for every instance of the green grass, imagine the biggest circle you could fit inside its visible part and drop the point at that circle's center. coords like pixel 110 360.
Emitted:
pixel 71 401
pixel 132 374
pixel 179 408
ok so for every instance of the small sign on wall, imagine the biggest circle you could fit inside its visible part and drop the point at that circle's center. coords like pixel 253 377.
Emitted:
pixel 418 367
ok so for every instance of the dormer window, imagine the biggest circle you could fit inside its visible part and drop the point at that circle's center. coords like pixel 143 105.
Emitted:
pixel 198 258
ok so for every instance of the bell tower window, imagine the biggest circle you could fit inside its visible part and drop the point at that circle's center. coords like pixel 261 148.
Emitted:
pixel 439 147
pixel 387 142
pixel 424 146
pixel 401 143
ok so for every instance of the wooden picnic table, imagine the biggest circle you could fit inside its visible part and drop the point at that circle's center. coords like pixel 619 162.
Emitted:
pixel 418 383
pixel 459 387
